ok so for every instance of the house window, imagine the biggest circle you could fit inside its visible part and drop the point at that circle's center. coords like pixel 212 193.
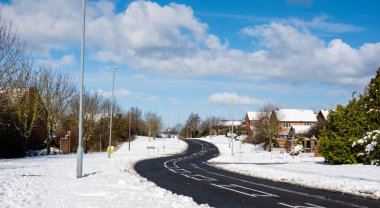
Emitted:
pixel 286 125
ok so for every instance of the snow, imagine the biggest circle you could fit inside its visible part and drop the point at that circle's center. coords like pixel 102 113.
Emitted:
pixel 361 180
pixel 252 115
pixel 50 181
pixel 301 129
pixel 231 122
pixel 303 115
pixel 325 113
pixel 296 150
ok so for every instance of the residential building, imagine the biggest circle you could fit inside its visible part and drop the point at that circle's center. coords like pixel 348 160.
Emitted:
pixel 298 118
pixel 322 116
pixel 250 120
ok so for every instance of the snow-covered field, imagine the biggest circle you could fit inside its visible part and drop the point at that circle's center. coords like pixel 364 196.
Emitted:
pixel 51 181
pixel 363 180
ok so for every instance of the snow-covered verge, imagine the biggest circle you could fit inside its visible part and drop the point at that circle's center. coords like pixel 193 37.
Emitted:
pixel 50 181
pixel 362 180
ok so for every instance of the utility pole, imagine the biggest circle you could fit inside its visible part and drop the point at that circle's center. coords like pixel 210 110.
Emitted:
pixel 210 125
pixel 100 144
pixel 80 148
pixel 179 118
pixel 113 103
pixel 229 129
pixel 129 133
pixel 232 139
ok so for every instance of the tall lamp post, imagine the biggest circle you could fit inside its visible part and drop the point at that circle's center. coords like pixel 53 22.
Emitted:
pixel 113 103
pixel 129 132
pixel 80 148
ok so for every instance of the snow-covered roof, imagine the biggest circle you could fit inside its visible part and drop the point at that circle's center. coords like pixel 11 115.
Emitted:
pixel 301 129
pixel 296 115
pixel 325 113
pixel 252 115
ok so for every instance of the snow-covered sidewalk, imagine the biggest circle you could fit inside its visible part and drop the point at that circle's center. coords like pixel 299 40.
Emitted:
pixel 362 180
pixel 51 181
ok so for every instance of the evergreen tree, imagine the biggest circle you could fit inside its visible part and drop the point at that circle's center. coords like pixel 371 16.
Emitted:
pixel 372 99
pixel 345 126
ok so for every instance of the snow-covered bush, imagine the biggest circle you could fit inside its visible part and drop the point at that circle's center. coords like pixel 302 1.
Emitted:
pixel 42 152
pixel 241 137
pixel 369 147
pixel 296 150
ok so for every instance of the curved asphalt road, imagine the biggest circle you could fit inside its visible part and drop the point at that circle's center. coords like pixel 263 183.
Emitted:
pixel 188 174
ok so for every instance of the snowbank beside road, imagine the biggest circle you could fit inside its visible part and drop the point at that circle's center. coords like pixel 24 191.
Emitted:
pixel 362 180
pixel 108 182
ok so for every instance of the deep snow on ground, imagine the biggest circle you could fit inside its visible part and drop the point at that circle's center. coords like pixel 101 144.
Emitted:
pixel 362 180
pixel 50 181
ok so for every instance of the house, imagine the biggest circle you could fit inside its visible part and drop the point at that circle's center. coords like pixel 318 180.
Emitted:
pixel 292 123
pixel 250 119
pixel 322 116
pixel 288 118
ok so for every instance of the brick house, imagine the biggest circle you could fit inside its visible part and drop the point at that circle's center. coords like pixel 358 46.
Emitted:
pixel 291 123
pixel 322 116
pixel 250 119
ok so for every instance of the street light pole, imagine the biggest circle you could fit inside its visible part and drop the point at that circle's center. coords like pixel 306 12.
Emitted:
pixel 80 148
pixel 129 132
pixel 113 103
pixel 232 139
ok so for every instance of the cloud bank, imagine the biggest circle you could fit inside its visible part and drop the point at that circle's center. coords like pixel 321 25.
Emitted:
pixel 169 39
pixel 234 99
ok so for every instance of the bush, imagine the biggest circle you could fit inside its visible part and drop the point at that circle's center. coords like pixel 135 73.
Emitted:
pixel 336 149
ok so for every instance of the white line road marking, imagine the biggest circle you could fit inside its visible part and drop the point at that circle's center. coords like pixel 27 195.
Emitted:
pixel 180 170
pixel 310 205
pixel 199 177
pixel 314 205
pixel 244 190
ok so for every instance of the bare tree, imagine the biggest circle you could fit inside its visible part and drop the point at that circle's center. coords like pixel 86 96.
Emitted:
pixel 56 90
pixel 266 127
pixel 92 108
pixel 192 124
pixel 135 115
pixel 154 123
pixel 23 101
pixel 211 123
pixel 12 54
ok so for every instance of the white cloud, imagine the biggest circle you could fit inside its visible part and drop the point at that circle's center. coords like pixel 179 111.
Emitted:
pixel 65 60
pixel 169 39
pixel 233 98
pixel 123 93
pixel 118 93
pixel 320 23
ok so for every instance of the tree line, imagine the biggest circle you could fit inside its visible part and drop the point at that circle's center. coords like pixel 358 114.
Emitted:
pixel 39 106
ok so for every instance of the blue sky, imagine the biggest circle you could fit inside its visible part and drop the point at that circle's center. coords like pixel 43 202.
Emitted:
pixel 210 57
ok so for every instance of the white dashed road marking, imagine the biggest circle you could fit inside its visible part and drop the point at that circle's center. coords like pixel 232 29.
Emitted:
pixel 244 190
